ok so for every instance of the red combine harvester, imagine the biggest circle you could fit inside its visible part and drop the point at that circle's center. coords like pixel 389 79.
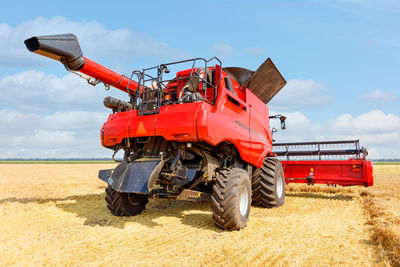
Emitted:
pixel 201 133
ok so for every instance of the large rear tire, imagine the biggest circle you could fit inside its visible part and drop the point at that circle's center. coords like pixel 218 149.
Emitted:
pixel 268 184
pixel 231 199
pixel 125 204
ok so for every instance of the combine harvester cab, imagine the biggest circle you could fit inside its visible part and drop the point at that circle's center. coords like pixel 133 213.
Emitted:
pixel 329 162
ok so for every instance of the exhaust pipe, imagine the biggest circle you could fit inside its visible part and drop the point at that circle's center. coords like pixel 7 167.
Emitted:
pixel 116 104
pixel 61 47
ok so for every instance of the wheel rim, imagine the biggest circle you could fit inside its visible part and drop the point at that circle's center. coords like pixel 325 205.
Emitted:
pixel 279 187
pixel 243 201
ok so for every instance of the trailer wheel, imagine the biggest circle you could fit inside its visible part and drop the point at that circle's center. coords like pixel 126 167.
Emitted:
pixel 125 204
pixel 268 184
pixel 231 199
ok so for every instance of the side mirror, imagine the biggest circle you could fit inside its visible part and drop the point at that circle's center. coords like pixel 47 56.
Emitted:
pixel 281 118
pixel 283 124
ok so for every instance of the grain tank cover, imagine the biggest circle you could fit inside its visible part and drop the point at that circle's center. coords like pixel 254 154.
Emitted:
pixel 240 75
pixel 265 82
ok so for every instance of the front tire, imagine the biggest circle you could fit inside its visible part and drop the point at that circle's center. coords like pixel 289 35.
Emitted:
pixel 268 184
pixel 125 204
pixel 231 199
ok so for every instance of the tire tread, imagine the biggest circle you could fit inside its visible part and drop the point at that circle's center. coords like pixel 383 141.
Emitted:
pixel 121 204
pixel 263 184
pixel 225 196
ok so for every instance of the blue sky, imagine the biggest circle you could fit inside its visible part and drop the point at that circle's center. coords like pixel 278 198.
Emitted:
pixel 340 58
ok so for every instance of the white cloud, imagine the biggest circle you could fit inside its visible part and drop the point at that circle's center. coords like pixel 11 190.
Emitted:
pixel 75 120
pixel 65 120
pixel 372 122
pixel 95 39
pixel 60 135
pixel 34 91
pixel 255 50
pixel 42 138
pixel 380 96
pixel 376 130
pixel 301 93
pixel 45 116
pixel 222 50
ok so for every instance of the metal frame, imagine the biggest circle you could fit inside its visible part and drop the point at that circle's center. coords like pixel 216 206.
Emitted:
pixel 144 78
pixel 319 149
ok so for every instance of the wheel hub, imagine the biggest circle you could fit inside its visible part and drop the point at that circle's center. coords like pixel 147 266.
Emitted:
pixel 243 201
pixel 279 187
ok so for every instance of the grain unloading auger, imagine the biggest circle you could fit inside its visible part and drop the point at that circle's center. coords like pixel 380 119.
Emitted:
pixel 65 48
pixel 201 134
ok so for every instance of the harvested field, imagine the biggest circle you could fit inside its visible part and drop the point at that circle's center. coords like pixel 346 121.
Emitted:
pixel 382 203
pixel 56 215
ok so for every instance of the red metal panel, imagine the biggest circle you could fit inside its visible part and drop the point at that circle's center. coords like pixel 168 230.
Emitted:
pixel 115 128
pixel 123 124
pixel 260 133
pixel 340 172
pixel 141 126
pixel 225 122
pixel 178 122
pixel 368 171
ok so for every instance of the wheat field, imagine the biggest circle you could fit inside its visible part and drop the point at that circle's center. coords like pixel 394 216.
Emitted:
pixel 55 214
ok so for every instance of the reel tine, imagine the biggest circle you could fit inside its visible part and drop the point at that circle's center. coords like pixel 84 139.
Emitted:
pixel 320 150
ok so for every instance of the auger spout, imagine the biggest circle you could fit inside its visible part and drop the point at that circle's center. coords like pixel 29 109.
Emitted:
pixel 65 48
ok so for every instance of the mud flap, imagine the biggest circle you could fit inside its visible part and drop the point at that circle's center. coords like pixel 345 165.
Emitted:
pixel 135 177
